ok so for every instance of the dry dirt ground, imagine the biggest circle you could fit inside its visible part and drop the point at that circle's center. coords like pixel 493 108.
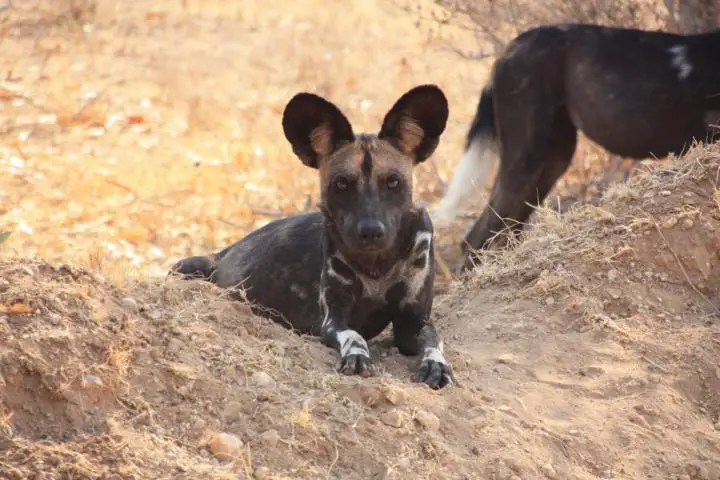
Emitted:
pixel 589 351
pixel 135 134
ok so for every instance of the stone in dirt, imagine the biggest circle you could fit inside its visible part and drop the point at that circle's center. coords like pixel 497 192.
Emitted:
pixel 270 437
pixel 225 446
pixel 427 419
pixel 395 395
pixel 369 395
pixel 130 303
pixel 393 418
pixel 262 379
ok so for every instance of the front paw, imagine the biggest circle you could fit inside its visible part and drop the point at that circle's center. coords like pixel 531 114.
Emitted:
pixel 434 372
pixel 354 354
pixel 356 363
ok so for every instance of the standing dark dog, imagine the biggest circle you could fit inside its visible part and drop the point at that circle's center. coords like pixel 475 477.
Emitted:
pixel 366 260
pixel 638 94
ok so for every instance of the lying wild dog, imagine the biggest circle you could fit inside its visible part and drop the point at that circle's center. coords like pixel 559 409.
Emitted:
pixel 366 260
pixel 638 94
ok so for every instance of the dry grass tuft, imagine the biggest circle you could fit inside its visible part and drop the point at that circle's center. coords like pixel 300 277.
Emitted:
pixel 553 238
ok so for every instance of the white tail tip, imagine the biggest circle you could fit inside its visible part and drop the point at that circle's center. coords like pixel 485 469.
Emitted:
pixel 469 176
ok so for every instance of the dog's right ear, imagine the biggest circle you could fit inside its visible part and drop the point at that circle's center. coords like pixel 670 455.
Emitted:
pixel 315 128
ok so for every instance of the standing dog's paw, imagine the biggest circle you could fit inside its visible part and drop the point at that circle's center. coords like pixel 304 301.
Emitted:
pixel 356 363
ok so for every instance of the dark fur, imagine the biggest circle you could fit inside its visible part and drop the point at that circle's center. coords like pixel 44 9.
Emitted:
pixel 363 262
pixel 623 88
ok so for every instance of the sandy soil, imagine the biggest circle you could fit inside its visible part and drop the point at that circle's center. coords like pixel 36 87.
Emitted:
pixel 590 351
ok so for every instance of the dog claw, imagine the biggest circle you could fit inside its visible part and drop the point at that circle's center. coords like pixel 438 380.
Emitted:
pixel 356 365
pixel 436 375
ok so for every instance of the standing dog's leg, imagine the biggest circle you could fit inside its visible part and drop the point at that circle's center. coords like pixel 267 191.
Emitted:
pixel 524 180
pixel 337 292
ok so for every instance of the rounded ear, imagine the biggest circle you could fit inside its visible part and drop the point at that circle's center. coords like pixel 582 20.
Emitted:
pixel 315 127
pixel 416 121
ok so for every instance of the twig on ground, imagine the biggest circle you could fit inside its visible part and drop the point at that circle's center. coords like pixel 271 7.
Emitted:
pixel 442 265
pixel 268 213
pixel 682 268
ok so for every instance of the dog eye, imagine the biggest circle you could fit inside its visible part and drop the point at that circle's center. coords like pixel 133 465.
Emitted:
pixel 341 183
pixel 393 182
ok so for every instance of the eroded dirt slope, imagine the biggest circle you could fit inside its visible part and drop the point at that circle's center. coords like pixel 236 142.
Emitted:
pixel 589 351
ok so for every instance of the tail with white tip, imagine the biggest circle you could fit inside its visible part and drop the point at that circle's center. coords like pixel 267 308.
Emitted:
pixel 481 153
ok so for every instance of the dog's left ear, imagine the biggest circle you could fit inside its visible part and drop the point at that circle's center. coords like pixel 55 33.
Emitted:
pixel 416 121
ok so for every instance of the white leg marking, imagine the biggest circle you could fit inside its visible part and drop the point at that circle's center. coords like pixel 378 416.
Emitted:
pixel 680 61
pixel 331 271
pixel 349 341
pixel 416 277
pixel 471 173
pixel 324 308
pixel 419 238
pixel 434 354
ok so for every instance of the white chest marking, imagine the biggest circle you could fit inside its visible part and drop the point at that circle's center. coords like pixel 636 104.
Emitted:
pixel 412 276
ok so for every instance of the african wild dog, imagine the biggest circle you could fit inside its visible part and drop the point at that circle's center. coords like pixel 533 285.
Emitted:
pixel 636 93
pixel 366 259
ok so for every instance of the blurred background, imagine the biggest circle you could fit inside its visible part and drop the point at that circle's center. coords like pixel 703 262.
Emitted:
pixel 136 133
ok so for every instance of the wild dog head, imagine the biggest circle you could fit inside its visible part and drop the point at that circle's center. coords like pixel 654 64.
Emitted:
pixel 366 179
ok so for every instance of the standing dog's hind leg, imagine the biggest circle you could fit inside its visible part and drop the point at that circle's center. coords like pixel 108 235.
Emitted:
pixel 524 180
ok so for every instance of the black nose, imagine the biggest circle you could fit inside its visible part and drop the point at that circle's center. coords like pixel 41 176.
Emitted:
pixel 370 230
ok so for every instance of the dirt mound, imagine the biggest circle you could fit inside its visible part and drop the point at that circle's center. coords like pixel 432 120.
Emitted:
pixel 589 351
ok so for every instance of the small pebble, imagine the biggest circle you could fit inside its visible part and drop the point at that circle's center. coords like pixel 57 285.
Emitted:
pixel 270 437
pixel 427 419
pixel 687 224
pixel 670 222
pixel 506 358
pixel 393 418
pixel 262 379
pixel 225 446
pixel 130 302
pixel 549 301
pixel 638 420
pixel 666 193
pixel 232 411
pixel 614 293
pixel 548 471
pixel 262 472
pixel 395 396
pixel 591 371
pixel 90 380
pixel 613 275
pixel 370 395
